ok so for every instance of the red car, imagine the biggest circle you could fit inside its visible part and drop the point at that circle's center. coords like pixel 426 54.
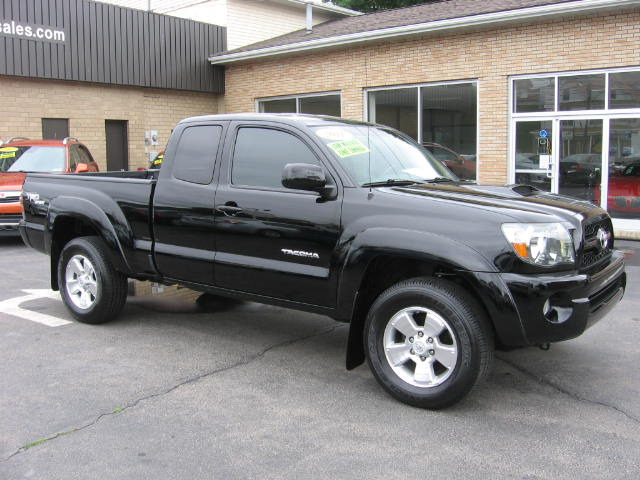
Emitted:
pixel 464 166
pixel 20 156
pixel 624 191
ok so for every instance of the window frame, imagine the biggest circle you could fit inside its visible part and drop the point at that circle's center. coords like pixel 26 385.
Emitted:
pixel 282 128
pixel 297 97
pixel 572 73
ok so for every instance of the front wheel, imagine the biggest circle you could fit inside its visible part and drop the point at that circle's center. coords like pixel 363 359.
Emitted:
pixel 428 342
pixel 91 288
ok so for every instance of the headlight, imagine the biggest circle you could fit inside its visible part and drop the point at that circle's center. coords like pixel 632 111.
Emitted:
pixel 543 244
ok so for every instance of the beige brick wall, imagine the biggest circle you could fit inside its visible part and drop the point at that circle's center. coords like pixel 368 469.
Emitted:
pixel 490 56
pixel 87 106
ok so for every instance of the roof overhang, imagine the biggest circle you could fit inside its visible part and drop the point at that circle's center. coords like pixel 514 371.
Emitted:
pixel 485 19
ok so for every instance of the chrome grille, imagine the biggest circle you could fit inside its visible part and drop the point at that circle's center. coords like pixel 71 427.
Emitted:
pixel 593 252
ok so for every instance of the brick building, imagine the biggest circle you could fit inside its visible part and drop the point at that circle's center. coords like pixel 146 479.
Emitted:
pixel 535 91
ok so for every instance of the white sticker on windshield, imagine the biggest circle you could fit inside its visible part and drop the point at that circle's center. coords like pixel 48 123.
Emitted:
pixel 334 133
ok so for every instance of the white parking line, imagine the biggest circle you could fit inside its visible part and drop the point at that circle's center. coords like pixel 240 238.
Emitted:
pixel 12 307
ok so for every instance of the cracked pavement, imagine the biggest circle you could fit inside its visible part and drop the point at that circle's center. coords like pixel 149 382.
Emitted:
pixel 255 391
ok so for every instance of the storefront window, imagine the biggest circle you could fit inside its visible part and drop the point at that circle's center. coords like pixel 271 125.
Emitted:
pixel 397 108
pixel 313 104
pixel 624 168
pixel 287 105
pixel 581 92
pixel 442 117
pixel 586 146
pixel 624 90
pixel 324 105
pixel 534 95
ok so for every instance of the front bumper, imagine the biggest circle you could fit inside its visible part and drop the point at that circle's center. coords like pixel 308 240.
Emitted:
pixel 9 224
pixel 558 307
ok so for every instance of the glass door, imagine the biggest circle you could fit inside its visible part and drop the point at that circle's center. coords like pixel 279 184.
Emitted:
pixel 580 158
pixel 534 164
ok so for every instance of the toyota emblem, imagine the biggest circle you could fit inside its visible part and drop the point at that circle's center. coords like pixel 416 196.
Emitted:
pixel 603 237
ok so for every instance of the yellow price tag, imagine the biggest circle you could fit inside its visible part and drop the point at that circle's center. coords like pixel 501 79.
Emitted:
pixel 348 148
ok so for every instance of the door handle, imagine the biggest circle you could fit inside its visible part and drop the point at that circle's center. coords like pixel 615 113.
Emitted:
pixel 229 210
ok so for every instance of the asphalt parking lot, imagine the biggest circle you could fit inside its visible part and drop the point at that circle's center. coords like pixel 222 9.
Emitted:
pixel 250 391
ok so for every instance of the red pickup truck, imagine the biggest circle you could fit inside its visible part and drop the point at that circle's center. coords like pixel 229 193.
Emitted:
pixel 20 156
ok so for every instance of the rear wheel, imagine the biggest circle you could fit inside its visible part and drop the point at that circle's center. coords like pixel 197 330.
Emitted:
pixel 91 288
pixel 428 342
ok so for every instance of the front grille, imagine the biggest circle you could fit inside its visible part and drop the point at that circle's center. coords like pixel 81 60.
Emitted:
pixel 10 218
pixel 15 199
pixel 593 252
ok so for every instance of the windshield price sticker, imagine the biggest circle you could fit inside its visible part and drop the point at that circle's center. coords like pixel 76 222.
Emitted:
pixel 8 152
pixel 348 148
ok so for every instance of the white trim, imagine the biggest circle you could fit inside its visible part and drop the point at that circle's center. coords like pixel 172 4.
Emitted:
pixel 553 11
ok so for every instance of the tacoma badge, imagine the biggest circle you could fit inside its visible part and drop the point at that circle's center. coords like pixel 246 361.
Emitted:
pixel 300 253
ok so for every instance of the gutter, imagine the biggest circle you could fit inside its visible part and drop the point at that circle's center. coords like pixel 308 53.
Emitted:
pixel 555 10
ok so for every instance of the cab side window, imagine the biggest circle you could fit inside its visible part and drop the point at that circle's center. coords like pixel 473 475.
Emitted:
pixel 260 155
pixel 84 155
pixel 74 158
pixel 196 154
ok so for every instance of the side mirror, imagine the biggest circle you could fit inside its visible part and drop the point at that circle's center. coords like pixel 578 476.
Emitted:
pixel 304 176
pixel 81 168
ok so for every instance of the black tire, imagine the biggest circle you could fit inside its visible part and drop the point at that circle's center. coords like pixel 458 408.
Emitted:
pixel 468 333
pixel 110 285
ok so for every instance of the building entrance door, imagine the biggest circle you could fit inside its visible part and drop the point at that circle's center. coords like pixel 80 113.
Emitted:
pixel 580 159
pixel 117 145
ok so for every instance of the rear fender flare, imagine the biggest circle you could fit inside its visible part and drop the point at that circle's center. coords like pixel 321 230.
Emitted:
pixel 113 229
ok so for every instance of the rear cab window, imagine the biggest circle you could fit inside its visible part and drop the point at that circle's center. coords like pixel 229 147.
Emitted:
pixel 195 155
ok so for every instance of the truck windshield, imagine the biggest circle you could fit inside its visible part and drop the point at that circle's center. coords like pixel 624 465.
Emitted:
pixel 37 159
pixel 377 156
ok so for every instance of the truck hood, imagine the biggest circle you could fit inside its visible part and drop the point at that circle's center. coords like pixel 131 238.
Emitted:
pixel 11 180
pixel 520 202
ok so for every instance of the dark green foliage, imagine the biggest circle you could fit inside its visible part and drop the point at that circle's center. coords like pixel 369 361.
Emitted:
pixel 374 5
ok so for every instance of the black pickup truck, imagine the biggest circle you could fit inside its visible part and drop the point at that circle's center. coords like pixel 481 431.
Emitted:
pixel 347 219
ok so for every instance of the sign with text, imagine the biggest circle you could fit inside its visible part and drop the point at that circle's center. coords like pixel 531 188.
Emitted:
pixel 30 31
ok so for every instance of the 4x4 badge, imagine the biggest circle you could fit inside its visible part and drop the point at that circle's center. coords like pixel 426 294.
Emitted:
pixel 603 237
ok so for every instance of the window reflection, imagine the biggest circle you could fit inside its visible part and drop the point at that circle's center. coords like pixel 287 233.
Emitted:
pixel 581 92
pixel 624 168
pixel 624 90
pixel 534 95
pixel 397 108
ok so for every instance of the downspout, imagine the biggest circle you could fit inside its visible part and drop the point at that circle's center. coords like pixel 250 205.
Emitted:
pixel 309 17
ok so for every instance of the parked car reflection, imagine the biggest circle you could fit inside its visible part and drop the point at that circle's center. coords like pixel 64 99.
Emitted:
pixel 464 166
pixel 624 192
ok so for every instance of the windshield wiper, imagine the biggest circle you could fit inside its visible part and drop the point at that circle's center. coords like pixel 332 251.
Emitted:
pixel 438 180
pixel 390 182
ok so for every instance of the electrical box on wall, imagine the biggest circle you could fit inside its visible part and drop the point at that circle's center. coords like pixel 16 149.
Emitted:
pixel 151 137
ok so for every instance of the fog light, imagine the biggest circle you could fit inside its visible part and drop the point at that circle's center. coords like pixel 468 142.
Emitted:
pixel 558 308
